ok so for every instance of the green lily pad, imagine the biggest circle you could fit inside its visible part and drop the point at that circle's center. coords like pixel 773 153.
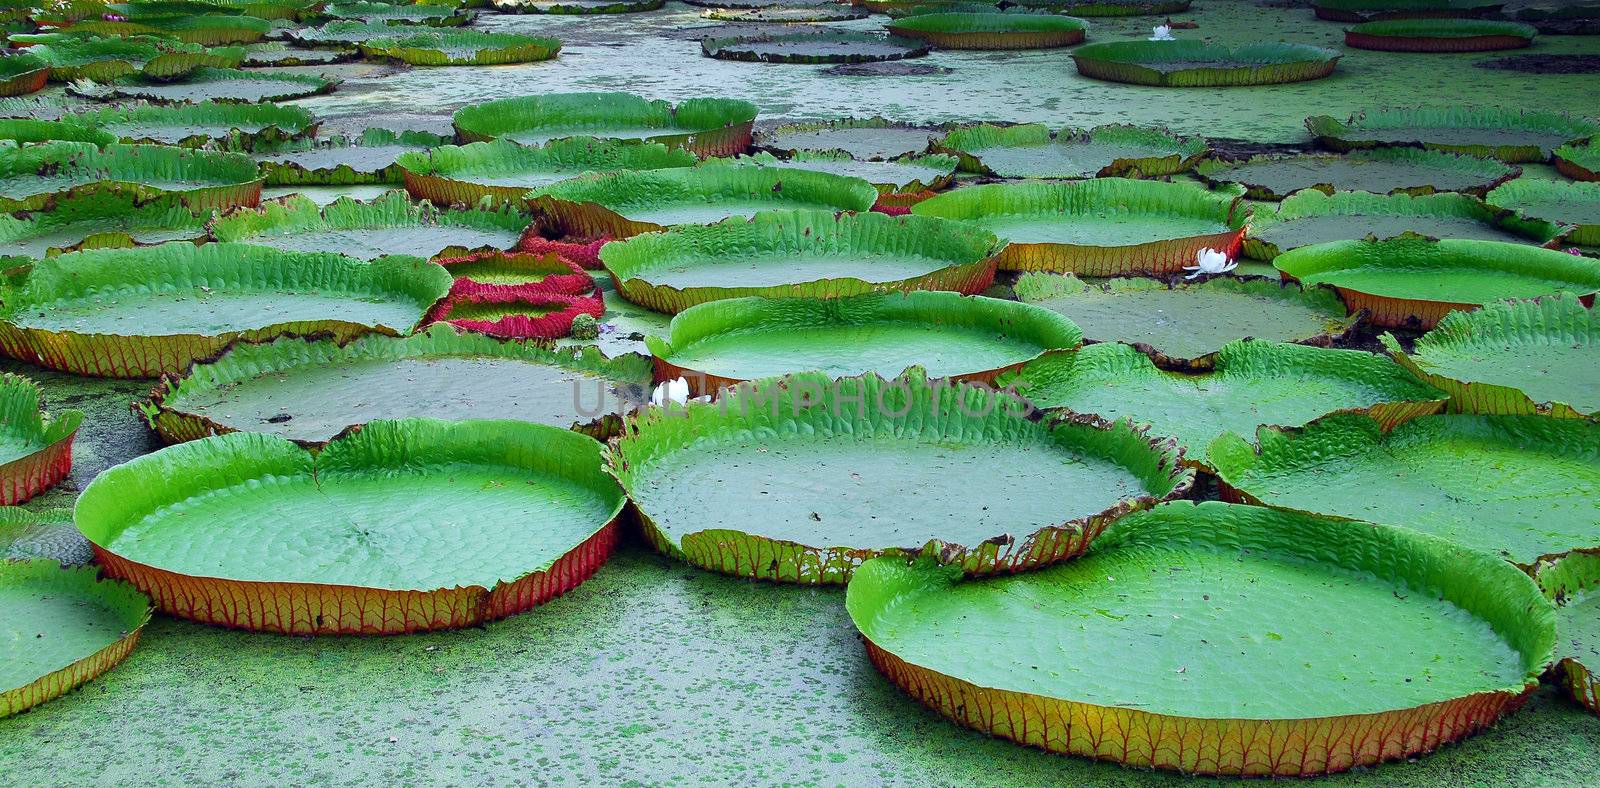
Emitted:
pixel 31 534
pixel 628 202
pixel 1382 171
pixel 1311 217
pixel 63 627
pixel 1440 35
pixel 1099 8
pixel 624 325
pixel 905 176
pixel 353 32
pixel 1183 325
pixel 328 195
pixel 1511 135
pixel 37 176
pixel 1521 357
pixel 1520 487
pixel 367 536
pixel 1579 162
pixel 150 310
pixel 1099 227
pixel 890 467
pixel 706 127
pixel 992 30
pixel 35 450
pixel 721 343
pixel 194 125
pixel 215 84
pixel 391 224
pixel 813 47
pixel 1251 383
pixel 504 171
pixel 1572 582
pixel 23 74
pixel 1370 10
pixel 869 139
pixel 96 221
pixel 444 15
pixel 1573 204
pixel 69 129
pixel 1185 607
pixel 277 53
pixel 312 390
pixel 788 14
pixel 799 254
pixel 462 48
pixel 373 157
pixel 576 6
pixel 1192 63
pixel 209 29
pixel 1414 282
pixel 40 107
pixel 1031 151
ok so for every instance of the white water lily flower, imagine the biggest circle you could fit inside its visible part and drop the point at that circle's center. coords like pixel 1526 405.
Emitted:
pixel 1162 33
pixel 1210 261
pixel 676 390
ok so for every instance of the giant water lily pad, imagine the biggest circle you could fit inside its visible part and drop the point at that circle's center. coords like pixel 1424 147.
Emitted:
pixel 504 171
pixel 35 450
pixel 216 84
pixel 715 483
pixel 209 29
pixel 391 224
pixel 194 125
pixel 1383 171
pixel 62 628
pixel 1440 35
pixel 576 6
pixel 1311 217
pixel 902 180
pixel 1098 8
pixel 1414 282
pixel 462 48
pixel 1032 151
pixel 1512 135
pixel 1522 357
pixel 142 312
pixel 98 220
pixel 1572 204
pixel 1370 10
pixel 1099 227
pixel 707 127
pixel 1185 608
pixel 629 202
pixel 403 526
pixel 38 176
pixel 992 30
pixel 788 14
pixel 1521 487
pixel 106 59
pixel 441 14
pixel 1252 383
pixel 23 74
pixel 800 254
pixel 721 343
pixel 69 129
pixel 277 53
pixel 1193 63
pixel 870 139
pixel 1573 583
pixel 33 533
pixel 311 390
pixel 1579 162
pixel 372 157
pixel 353 32
pixel 623 326
pixel 1184 325
pixel 813 47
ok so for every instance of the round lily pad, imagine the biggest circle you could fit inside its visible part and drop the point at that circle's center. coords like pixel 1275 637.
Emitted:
pixel 1518 357
pixel 1370 10
pixel 1032 151
pixel 518 272
pixel 62 628
pixel 576 6
pixel 1440 35
pixel 1576 205
pixel 513 313
pixel 623 325
pixel 705 127
pixel 353 32
pixel 33 533
pixel 133 313
pixel 96 221
pixel 1098 8
pixel 35 450
pixel 391 224
pixel 214 84
pixel 442 14
pixel 992 30
pixel 1579 162
pixel 1413 282
pixel 629 202
pixel 38 176
pixel 800 254
pixel 194 125
pixel 813 47
pixel 503 171
pixel 721 343
pixel 790 14
pixel 1381 171
pixel 1184 325
pixel 906 180
pixel 1192 63
pixel 276 53
pixel 106 59
pixel 70 128
pixel 1185 608
pixel 372 157
pixel 313 390
pixel 462 48
pixel 1251 383
pixel 209 29
pixel 1311 217
pixel 1512 135
pixel 22 74
pixel 1521 487
pixel 1573 583
pixel 868 139
pixel 1099 227
pixel 403 526
pixel 715 483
